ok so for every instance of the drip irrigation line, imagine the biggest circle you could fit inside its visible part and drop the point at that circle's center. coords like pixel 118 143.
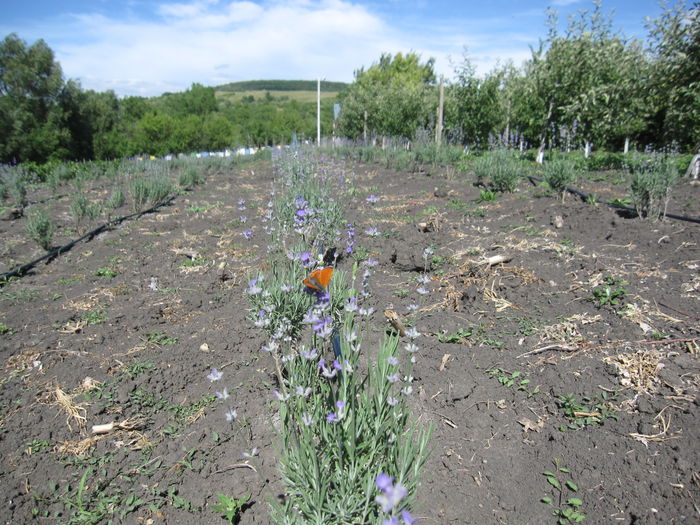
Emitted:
pixel 585 197
pixel 18 271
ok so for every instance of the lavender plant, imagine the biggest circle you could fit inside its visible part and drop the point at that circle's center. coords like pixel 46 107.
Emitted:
pixel 343 417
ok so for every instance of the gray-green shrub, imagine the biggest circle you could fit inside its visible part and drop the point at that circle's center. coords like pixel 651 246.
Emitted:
pixel 501 167
pixel 558 174
pixel 138 189
pixel 190 177
pixel 651 186
pixel 40 228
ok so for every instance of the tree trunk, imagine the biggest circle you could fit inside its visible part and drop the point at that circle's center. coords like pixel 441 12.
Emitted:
pixel 694 167
pixel 438 128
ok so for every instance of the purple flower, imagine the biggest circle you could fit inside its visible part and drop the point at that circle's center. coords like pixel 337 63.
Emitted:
pixel 391 494
pixel 372 231
pixel 215 375
pixel 247 234
pixel 391 401
pixel 392 360
pixel 393 520
pixel 243 219
pixel 306 419
pixel 407 518
pixel 351 304
pixel 223 395
pixel 393 378
pixel 324 328
pixel 281 397
pixel 305 259
pixel 412 333
pixel 301 391
pixel 253 288
pixel 372 199
pixel 231 414
pixel 384 481
pixel 410 347
pixel 309 354
pixel 332 418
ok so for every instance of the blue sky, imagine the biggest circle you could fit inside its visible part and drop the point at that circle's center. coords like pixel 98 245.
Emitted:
pixel 146 47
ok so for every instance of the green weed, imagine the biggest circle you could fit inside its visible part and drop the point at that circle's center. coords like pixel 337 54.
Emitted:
pixel 230 507
pixel 160 339
pixel 513 380
pixel 568 509
pixel 94 317
pixel 587 412
pixel 611 292
pixel 459 336
pixel 107 272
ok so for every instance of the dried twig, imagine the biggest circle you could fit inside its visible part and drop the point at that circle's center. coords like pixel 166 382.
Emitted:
pixel 563 348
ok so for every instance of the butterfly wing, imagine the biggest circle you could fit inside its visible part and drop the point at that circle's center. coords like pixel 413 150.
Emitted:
pixel 319 279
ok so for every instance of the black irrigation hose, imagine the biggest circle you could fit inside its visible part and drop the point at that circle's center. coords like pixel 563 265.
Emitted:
pixel 55 252
pixel 585 197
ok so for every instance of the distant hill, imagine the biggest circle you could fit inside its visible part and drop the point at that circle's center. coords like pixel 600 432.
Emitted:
pixel 280 85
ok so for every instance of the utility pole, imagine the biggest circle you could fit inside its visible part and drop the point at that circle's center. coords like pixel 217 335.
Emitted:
pixel 438 128
pixel 318 113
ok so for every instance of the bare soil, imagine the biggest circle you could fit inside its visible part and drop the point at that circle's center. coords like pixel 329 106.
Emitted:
pixel 125 328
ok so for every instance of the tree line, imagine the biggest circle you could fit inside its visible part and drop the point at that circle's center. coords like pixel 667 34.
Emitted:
pixel 588 86
pixel 45 118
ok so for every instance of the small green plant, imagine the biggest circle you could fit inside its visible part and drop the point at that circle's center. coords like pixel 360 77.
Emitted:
pixel 159 338
pixel 139 367
pixel 621 202
pixel 94 317
pixel 230 507
pixel 513 380
pixel 459 336
pixel 107 272
pixel 587 412
pixel 6 330
pixel 40 228
pixel 559 174
pixel 361 253
pixel 611 292
pixel 193 262
pixel 568 507
pixel 35 446
pixel 486 195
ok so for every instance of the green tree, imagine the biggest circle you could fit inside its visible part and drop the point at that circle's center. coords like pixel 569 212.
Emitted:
pixel 31 82
pixel 674 48
pixel 477 107
pixel 395 94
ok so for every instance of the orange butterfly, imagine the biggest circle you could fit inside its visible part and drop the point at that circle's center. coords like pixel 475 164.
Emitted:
pixel 319 279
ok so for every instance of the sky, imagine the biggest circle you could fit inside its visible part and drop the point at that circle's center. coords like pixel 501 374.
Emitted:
pixel 147 47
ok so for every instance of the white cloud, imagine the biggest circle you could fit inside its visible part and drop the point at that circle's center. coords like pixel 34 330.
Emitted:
pixel 217 41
